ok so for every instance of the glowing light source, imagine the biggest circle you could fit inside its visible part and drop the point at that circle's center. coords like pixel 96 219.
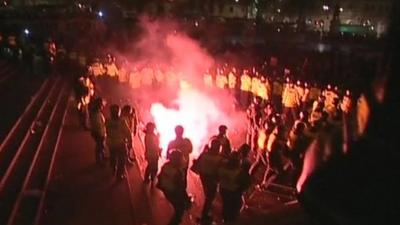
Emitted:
pixel 278 10
pixel 26 31
pixel 100 14
pixel 195 111
pixel 325 7
pixel 341 9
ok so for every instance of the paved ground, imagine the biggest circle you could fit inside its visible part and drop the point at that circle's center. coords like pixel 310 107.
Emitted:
pixel 83 193
pixel 16 91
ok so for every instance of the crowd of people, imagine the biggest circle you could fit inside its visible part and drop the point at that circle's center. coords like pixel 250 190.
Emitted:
pixel 283 118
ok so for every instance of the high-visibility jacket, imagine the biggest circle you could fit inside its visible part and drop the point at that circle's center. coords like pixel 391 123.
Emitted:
pixel 330 97
pixel 123 75
pixel 147 77
pixel 262 91
pixel 170 178
pixel 118 133
pixel 245 82
pixel 111 70
pixel 229 178
pixel 277 88
pixel 208 80
pixel 314 93
pixel 290 98
pixel 255 81
pixel 232 80
pixel 159 76
pixel 171 78
pixel 346 104
pixel 98 124
pixel 209 164
pixel 96 69
pixel 221 81
pixel 134 79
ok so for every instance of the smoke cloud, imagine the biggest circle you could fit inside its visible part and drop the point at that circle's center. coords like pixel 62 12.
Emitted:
pixel 189 103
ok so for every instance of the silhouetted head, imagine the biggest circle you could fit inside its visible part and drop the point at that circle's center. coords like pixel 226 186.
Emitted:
pixel 115 111
pixel 222 129
pixel 179 131
pixel 150 127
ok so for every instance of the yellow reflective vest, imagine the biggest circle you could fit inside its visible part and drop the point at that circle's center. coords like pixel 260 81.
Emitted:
pixel 262 91
pixel 96 69
pixel 208 80
pixel 255 81
pixel 134 79
pixel 123 75
pixel 221 81
pixel 232 80
pixel 290 97
pixel 147 77
pixel 111 69
pixel 159 76
pixel 245 82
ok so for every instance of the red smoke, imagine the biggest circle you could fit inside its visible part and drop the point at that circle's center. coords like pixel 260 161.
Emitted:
pixel 199 110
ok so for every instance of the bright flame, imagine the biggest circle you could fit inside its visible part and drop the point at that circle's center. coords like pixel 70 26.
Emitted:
pixel 195 111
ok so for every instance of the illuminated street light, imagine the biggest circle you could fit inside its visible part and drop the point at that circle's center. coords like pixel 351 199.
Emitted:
pixel 341 9
pixel 325 7
pixel 278 10
pixel 100 13
pixel 26 31
pixel 236 0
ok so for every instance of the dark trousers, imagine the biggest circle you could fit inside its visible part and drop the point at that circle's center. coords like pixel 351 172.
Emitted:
pixel 177 200
pixel 231 204
pixel 210 189
pixel 100 148
pixel 151 170
pixel 118 160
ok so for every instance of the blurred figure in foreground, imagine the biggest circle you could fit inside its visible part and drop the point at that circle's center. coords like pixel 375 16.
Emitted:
pixel 359 184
